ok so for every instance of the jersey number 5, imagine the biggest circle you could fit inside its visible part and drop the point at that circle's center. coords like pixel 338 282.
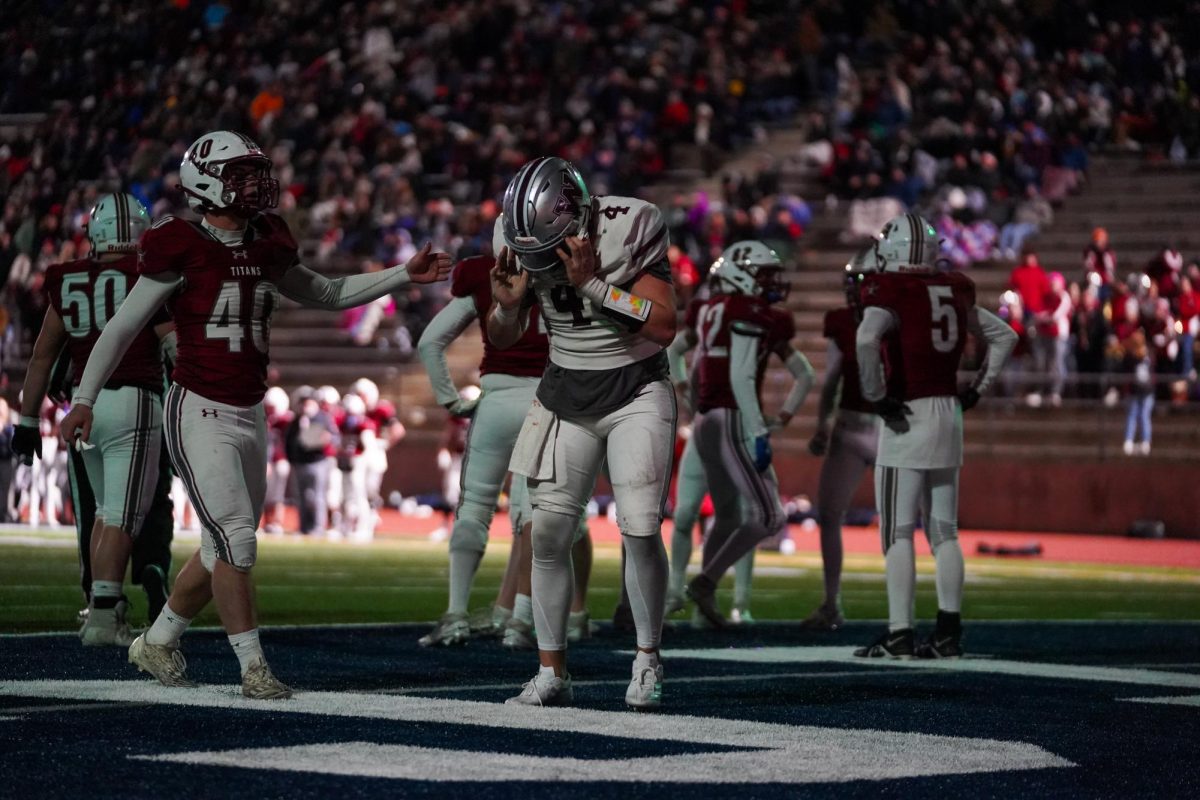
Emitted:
pixel 945 321
pixel 80 312
pixel 226 320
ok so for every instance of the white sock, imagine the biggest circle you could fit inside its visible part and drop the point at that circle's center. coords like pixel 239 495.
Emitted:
pixel 901 583
pixel 106 588
pixel 546 674
pixel 523 608
pixel 167 628
pixel 247 648
pixel 681 553
pixel 643 660
pixel 743 576
pixel 463 565
pixel 950 575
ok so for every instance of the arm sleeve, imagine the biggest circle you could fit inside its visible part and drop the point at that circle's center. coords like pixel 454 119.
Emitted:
pixel 146 297
pixel 449 323
pixel 802 383
pixel 677 356
pixel 833 380
pixel 1000 338
pixel 309 288
pixel 743 380
pixel 875 325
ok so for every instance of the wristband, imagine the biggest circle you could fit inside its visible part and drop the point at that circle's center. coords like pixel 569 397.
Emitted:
pixel 29 422
pixel 615 300
pixel 507 316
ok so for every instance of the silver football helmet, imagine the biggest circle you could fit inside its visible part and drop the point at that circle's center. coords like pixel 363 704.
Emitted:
pixel 857 268
pixel 116 223
pixel 907 243
pixel 545 202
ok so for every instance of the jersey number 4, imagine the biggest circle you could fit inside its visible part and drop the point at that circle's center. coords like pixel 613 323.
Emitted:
pixel 945 321
pixel 226 320
pixel 567 302
pixel 81 312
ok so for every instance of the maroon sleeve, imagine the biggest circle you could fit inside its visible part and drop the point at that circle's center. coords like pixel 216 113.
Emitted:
pixel 465 280
pixel 783 327
pixel 164 247
pixel 286 251
pixel 692 314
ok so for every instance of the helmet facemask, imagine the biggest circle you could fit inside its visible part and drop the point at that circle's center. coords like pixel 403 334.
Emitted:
pixel 544 204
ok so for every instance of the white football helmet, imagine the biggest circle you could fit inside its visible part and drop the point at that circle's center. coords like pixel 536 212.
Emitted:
pixel 750 267
pixel 116 223
pixel 328 395
pixel 223 170
pixel 907 243
pixel 276 400
pixel 367 390
pixel 857 268
pixel 354 405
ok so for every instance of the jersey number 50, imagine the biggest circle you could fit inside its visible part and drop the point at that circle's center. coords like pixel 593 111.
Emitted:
pixel 227 321
pixel 81 312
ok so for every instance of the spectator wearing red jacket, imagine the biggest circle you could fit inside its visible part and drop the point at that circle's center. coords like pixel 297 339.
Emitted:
pixel 1188 304
pixel 1051 344
pixel 1029 280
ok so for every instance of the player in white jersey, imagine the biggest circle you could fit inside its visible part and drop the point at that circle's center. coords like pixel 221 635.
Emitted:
pixel 597 269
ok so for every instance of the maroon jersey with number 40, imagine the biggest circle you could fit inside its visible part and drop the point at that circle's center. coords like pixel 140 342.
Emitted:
pixel 922 358
pixel 86 294
pixel 715 320
pixel 223 309
pixel 526 358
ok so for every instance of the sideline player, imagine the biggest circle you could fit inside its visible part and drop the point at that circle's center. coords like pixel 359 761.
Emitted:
pixel 279 418
pixel 737 330
pixel 850 449
pixel 922 317
pixel 389 431
pixel 509 380
pixel 597 269
pixel 122 466
pixel 221 278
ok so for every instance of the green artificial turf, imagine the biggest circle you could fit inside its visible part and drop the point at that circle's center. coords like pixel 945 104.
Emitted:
pixel 314 582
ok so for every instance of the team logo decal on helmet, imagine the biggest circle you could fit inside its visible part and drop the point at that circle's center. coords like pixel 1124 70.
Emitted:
pixel 545 202
pixel 224 170
pixel 907 243
pixel 750 267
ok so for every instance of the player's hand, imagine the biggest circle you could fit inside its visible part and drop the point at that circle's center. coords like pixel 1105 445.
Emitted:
pixel 969 398
pixel 76 425
pixel 818 445
pixel 579 257
pixel 762 452
pixel 462 407
pixel 509 281
pixel 428 267
pixel 27 442
pixel 895 414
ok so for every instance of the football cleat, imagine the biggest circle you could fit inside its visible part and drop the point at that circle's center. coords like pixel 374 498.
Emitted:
pixel 164 662
pixel 892 644
pixel 450 630
pixel 940 647
pixel 545 691
pixel 105 627
pixel 823 619
pixel 579 626
pixel 703 592
pixel 489 623
pixel 259 683
pixel 518 635
pixel 741 616
pixel 676 602
pixel 645 689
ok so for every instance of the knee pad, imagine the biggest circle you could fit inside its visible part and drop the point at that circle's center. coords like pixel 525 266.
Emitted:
pixel 554 499
pixel 553 535
pixel 236 546
pixel 469 534
pixel 940 531
pixel 897 533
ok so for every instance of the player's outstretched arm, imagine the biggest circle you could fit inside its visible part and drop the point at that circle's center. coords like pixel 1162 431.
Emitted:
pixel 444 328
pixel 509 318
pixel 147 296
pixel 314 290
pixel 1000 338
pixel 27 438
pixel 803 378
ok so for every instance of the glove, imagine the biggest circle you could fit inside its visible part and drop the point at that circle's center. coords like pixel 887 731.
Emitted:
pixel 895 414
pixel 762 452
pixel 462 408
pixel 819 443
pixel 27 442
pixel 969 398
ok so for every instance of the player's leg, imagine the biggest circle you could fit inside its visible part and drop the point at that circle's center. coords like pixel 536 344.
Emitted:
pixel 690 489
pixel 940 509
pixel 898 494
pixel 516 628
pixel 579 623
pixel 84 503
pixel 743 578
pixel 761 512
pixel 640 448
pixel 575 449
pixel 151 557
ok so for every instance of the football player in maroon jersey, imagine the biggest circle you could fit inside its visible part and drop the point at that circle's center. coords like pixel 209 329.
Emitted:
pixel 915 322
pixel 849 450
pixel 737 330
pixel 122 467
pixel 221 279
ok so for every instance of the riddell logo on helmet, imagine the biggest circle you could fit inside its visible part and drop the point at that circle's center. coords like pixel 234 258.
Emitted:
pixel 525 240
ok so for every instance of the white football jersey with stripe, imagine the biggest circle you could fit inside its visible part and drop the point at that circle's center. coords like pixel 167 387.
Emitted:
pixel 631 236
